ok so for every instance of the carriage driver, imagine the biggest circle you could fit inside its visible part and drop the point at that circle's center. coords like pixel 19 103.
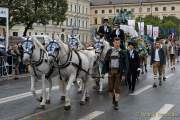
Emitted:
pixel 116 65
pixel 105 30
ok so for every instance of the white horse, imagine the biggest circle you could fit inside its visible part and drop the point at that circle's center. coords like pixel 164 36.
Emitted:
pixel 36 55
pixel 101 48
pixel 72 65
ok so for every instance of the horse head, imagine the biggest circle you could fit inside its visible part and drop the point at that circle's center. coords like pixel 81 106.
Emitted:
pixel 32 49
pixel 101 46
pixel 53 49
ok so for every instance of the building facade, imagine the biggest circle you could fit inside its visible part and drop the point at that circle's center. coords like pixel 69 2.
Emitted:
pixel 110 8
pixel 77 17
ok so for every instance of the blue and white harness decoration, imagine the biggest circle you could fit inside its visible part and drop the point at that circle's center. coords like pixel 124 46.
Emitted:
pixel 98 46
pixel 27 46
pixel 73 41
pixel 53 49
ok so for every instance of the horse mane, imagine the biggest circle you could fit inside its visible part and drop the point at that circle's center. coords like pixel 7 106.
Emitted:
pixel 38 44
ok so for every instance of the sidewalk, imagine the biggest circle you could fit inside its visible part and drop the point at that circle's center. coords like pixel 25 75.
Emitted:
pixel 11 77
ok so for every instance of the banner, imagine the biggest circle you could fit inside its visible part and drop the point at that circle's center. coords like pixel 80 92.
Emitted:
pixel 149 30
pixel 141 28
pixel 155 32
pixel 4 27
pixel 131 23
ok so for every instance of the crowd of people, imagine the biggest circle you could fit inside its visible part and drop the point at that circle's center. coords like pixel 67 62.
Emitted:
pixel 125 61
pixel 11 61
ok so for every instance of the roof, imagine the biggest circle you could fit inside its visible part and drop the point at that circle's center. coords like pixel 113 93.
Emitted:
pixel 109 2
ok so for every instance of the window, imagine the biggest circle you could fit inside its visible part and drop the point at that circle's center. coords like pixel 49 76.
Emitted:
pixel 76 8
pixel 148 9
pixel 35 33
pixel 41 33
pixel 79 9
pixel 71 7
pixel 71 22
pixel 15 33
pixel 95 21
pixel 164 8
pixel 96 11
pixel 173 8
pixel 79 23
pixel 86 10
pixel 132 10
pixel 125 10
pixel 117 10
pixel 156 9
pixel 140 9
pixel 103 11
pixel 83 23
pixel 110 11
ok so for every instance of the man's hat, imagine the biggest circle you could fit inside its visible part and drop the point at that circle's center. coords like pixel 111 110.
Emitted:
pixel 106 19
pixel 132 43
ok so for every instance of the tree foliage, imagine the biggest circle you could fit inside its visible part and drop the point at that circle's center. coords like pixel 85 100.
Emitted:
pixel 28 12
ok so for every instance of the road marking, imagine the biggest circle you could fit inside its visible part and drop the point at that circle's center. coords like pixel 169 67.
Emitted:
pixel 170 75
pixel 162 112
pixel 42 112
pixel 137 92
pixel 92 115
pixel 23 95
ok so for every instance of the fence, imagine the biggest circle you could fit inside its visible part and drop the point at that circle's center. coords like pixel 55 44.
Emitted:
pixel 6 66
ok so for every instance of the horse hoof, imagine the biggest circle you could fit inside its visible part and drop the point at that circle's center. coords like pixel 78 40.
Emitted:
pixel 63 98
pixel 42 107
pixel 67 107
pixel 82 102
pixel 87 99
pixel 48 101
pixel 40 99
pixel 80 92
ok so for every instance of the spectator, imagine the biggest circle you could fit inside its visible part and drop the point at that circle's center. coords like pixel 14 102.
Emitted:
pixel 10 59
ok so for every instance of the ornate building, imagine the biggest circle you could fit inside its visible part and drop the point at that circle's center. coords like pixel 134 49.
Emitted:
pixel 110 8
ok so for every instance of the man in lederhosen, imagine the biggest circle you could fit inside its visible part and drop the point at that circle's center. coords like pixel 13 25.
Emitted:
pixel 105 30
pixel 116 64
pixel 157 62
pixel 172 53
pixel 117 32
pixel 134 66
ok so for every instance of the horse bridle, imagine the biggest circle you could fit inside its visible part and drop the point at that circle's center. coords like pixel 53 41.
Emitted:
pixel 25 51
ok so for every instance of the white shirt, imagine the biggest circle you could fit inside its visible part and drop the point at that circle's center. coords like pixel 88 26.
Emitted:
pixel 157 58
pixel 105 29
pixel 131 53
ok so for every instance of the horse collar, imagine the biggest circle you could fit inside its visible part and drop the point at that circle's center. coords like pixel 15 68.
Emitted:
pixel 67 61
pixel 41 58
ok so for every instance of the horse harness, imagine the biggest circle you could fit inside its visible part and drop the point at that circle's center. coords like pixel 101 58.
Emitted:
pixel 69 61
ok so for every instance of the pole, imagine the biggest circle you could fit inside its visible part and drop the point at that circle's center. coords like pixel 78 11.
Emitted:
pixel 7 28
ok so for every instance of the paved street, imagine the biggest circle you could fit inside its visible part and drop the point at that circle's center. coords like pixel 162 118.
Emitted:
pixel 142 105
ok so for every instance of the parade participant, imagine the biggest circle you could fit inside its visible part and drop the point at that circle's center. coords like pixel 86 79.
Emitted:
pixel 117 32
pixel 172 49
pixel 116 64
pixel 177 52
pixel 164 46
pixel 157 62
pixel 134 66
pixel 105 30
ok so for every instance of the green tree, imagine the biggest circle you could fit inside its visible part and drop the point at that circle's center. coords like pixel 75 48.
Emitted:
pixel 28 12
